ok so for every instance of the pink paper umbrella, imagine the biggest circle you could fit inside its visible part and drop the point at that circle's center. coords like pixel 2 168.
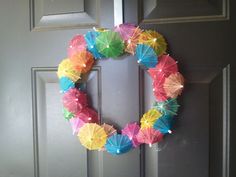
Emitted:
pixel 77 44
pixel 174 85
pixel 88 115
pixel 135 142
pixel 166 66
pixel 131 130
pixel 74 100
pixel 149 136
pixel 76 124
pixel 125 30
pixel 158 88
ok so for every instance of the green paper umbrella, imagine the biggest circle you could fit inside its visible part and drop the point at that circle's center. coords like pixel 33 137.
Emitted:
pixel 110 44
pixel 67 114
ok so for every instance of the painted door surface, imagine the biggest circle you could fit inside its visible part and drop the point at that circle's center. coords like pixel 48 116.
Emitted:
pixel 35 140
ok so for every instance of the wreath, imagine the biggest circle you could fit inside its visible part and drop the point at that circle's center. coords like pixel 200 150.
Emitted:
pixel 150 49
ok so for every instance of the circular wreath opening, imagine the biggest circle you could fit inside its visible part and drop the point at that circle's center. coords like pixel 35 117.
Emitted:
pixel 150 48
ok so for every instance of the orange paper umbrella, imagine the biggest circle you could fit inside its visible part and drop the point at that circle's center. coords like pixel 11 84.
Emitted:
pixel 109 129
pixel 132 42
pixel 92 136
pixel 149 118
pixel 82 61
pixel 66 68
pixel 155 40
pixel 174 85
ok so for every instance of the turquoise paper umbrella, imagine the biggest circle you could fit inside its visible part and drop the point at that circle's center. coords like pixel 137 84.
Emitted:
pixel 168 107
pixel 118 144
pixel 90 38
pixel 66 84
pixel 164 124
pixel 146 55
pixel 110 44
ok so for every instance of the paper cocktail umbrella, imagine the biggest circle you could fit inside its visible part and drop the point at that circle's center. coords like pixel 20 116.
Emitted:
pixel 74 100
pixel 110 44
pixel 149 118
pixel 125 30
pixel 82 61
pixel 166 66
pixel 76 44
pixel 146 55
pixel 109 129
pixel 168 107
pixel 131 130
pixel 66 69
pixel 174 85
pixel 76 124
pixel 92 136
pixel 118 144
pixel 132 42
pixel 158 88
pixel 67 115
pixel 164 124
pixel 88 115
pixel 66 84
pixel 90 38
pixel 155 40
pixel 149 136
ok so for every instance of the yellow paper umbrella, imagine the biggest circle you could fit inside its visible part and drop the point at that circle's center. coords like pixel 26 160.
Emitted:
pixel 66 68
pixel 149 118
pixel 92 136
pixel 155 40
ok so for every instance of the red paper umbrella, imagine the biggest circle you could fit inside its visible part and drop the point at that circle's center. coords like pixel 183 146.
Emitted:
pixel 74 100
pixel 125 30
pixel 82 61
pixel 166 66
pixel 158 88
pixel 77 44
pixel 149 136
pixel 174 85
pixel 132 42
pixel 88 115
pixel 76 124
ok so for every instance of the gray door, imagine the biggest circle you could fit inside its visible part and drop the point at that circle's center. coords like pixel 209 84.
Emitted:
pixel 37 142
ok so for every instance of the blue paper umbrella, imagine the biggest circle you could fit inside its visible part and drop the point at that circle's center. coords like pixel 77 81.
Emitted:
pixel 146 55
pixel 66 84
pixel 118 144
pixel 90 38
pixel 168 107
pixel 164 124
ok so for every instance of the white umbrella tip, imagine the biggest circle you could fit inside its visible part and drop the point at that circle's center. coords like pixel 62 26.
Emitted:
pixel 169 131
pixel 150 145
